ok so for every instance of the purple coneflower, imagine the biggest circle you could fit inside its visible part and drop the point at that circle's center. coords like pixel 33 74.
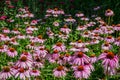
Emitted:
pixel 60 71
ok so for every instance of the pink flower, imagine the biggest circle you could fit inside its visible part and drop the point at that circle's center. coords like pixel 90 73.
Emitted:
pixel 65 29
pixel 22 73
pixel 109 59
pixel 34 22
pixel 60 71
pixel 81 72
pixel 11 52
pixel 117 27
pixel 24 62
pixel 39 63
pixel 80 58
pixel 106 46
pixel 109 39
pixel 41 52
pixel 59 46
pixel 117 41
pixel 109 12
pixel 34 72
pixel 110 62
pixel 93 58
pixel 55 23
pixel 6 73
pixel 5 30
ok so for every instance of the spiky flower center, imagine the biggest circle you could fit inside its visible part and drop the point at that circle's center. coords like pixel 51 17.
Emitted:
pixel 55 51
pixel 109 37
pixel 1 47
pixel 40 37
pixel 41 48
pixel 106 44
pixel 110 55
pixel 80 68
pixel 34 71
pixel 23 58
pixel 11 49
pixel 60 68
pixel 80 54
pixel 108 11
pixel 79 41
pixel 21 70
pixel 67 55
pixel 59 44
pixel 6 69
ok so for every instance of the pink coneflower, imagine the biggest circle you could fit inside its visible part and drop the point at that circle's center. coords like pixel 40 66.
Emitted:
pixel 14 42
pixel 94 41
pixel 41 52
pixel 82 72
pixel 39 39
pixel 109 59
pixel 60 60
pixel 81 28
pixel 65 29
pixel 21 36
pixel 79 14
pixel 117 41
pixel 79 43
pixel 109 39
pixel 4 37
pixel 38 62
pixel 5 30
pixel 27 54
pixel 31 45
pixel 11 52
pixel 117 27
pixel 55 23
pixel 55 55
pixel 106 46
pixel 15 31
pixel 67 57
pixel 3 49
pixel 24 62
pixel 70 19
pixel 50 34
pixel 93 58
pixel 34 22
pixel 59 46
pixel 85 34
pixel 109 12
pixel 6 73
pixel 34 72
pixel 22 73
pixel 60 71
pixel 3 17
pixel 80 58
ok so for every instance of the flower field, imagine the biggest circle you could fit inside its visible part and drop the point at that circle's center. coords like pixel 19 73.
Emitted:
pixel 56 40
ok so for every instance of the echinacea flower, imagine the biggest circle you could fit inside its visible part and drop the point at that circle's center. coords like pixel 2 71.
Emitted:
pixel 82 72
pixel 6 73
pixel 24 62
pixel 80 58
pixel 59 46
pixel 34 72
pixel 60 71
pixel 109 59
pixel 93 58
pixel 109 12
pixel 11 52
pixel 110 62
pixel 22 73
